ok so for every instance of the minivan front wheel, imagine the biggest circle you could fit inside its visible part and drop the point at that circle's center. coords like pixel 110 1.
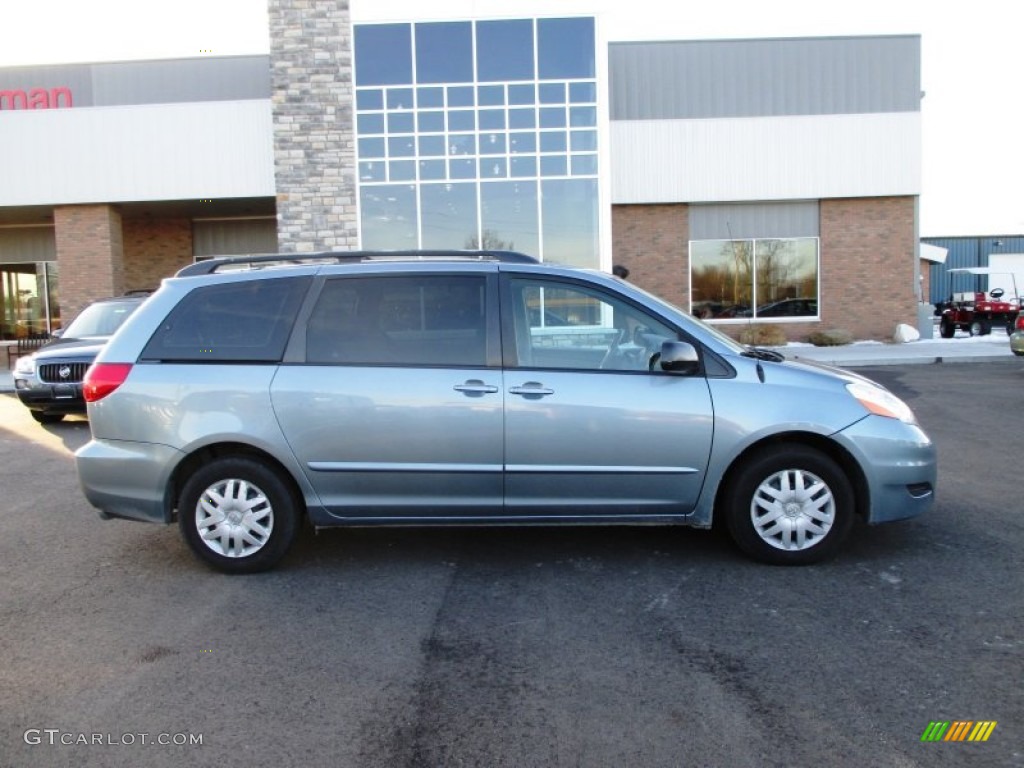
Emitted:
pixel 789 505
pixel 237 515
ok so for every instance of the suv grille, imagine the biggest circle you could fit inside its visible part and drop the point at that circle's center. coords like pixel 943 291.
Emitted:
pixel 62 373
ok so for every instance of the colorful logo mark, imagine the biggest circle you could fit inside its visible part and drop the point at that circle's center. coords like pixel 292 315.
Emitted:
pixel 958 730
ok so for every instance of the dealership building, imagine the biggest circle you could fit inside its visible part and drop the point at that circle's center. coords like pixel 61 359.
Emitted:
pixel 764 180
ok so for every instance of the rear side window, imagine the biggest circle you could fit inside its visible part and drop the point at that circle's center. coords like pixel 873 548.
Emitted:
pixel 231 322
pixel 420 320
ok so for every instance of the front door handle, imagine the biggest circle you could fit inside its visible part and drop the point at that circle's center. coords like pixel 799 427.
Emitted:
pixel 531 389
pixel 475 387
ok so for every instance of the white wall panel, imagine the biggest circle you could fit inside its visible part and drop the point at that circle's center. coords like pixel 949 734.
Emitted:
pixel 149 152
pixel 766 158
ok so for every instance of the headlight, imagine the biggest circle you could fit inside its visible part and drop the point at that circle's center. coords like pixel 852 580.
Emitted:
pixel 881 402
pixel 26 365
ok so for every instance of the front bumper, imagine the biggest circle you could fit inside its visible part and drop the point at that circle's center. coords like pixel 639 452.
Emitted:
pixel 899 465
pixel 49 398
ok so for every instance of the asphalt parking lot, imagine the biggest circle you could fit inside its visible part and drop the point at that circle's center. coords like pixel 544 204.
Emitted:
pixel 511 647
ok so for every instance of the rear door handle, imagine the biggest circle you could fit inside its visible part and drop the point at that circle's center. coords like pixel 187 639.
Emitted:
pixel 531 389
pixel 475 387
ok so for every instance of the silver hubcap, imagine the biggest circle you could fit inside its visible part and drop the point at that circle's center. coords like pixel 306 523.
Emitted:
pixel 793 509
pixel 234 518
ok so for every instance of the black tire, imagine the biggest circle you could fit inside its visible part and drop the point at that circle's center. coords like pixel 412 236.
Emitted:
pixel 980 328
pixel 1009 326
pixel 259 536
pixel 47 418
pixel 826 517
pixel 947 328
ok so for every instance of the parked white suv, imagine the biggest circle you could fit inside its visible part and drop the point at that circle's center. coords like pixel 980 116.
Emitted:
pixel 49 382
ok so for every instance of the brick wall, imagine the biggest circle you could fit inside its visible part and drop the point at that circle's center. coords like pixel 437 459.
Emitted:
pixel 867 265
pixel 90 255
pixel 652 242
pixel 314 149
pixel 154 250
pixel 867 262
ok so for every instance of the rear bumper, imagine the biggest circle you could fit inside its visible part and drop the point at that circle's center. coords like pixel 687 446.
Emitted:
pixel 127 479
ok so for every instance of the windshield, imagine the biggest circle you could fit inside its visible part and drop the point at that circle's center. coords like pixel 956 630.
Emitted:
pixel 723 338
pixel 100 319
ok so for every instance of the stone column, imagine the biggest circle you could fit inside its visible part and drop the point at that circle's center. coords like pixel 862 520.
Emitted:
pixel 90 255
pixel 314 134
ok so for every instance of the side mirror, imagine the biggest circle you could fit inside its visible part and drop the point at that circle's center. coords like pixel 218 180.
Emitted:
pixel 57 333
pixel 679 357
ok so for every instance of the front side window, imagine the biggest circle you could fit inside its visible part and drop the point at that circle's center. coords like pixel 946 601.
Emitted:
pixel 572 327
pixel 766 278
pixel 427 320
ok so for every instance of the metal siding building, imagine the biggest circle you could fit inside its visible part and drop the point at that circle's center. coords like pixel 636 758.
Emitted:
pixel 166 81
pixel 765 119
pixel 764 78
pixel 699 140
pixel 968 252
pixel 738 119
pixel 148 152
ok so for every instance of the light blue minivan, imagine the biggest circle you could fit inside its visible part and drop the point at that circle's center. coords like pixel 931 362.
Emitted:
pixel 474 388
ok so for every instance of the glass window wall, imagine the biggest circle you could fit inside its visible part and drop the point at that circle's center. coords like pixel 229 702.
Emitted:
pixel 452 110
pixel 768 278
pixel 28 299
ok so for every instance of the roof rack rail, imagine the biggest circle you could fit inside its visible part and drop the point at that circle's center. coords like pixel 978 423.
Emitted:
pixel 264 260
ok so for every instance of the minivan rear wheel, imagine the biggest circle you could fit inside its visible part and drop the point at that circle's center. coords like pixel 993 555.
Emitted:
pixel 237 515
pixel 790 505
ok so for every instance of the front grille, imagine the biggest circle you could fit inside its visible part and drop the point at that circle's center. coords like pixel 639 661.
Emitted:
pixel 51 372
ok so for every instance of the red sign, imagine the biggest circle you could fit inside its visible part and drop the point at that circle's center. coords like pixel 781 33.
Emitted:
pixel 36 98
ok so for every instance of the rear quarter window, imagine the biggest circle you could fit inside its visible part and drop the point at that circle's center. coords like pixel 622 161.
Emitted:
pixel 230 322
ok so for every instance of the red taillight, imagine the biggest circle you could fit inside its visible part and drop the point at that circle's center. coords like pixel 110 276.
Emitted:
pixel 1019 324
pixel 103 378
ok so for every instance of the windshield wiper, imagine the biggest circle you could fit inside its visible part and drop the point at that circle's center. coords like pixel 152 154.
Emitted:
pixel 761 353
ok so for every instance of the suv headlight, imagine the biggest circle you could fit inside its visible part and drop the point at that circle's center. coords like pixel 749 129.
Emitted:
pixel 26 365
pixel 881 401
